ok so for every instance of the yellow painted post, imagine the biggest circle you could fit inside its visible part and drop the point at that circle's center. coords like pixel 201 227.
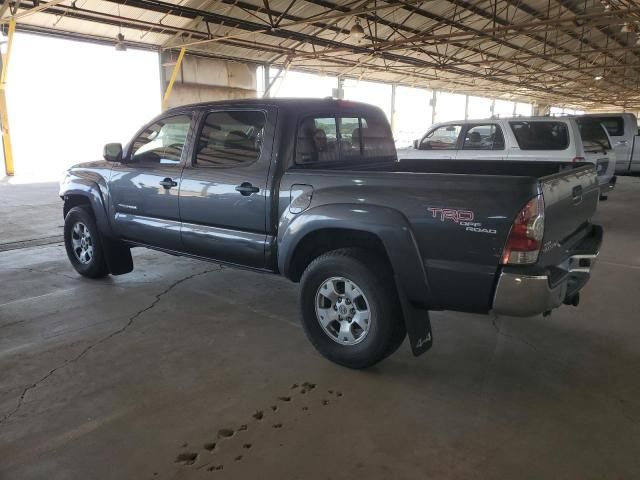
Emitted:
pixel 174 74
pixel 4 116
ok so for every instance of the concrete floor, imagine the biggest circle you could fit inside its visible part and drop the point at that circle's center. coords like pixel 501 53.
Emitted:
pixel 138 376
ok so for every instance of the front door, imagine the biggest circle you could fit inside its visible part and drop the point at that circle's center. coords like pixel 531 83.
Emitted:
pixel 441 143
pixel 223 195
pixel 145 186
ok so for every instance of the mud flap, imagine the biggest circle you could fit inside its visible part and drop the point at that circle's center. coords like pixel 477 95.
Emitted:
pixel 117 255
pixel 417 323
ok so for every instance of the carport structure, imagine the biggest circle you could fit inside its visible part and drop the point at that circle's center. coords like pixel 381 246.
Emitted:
pixel 578 53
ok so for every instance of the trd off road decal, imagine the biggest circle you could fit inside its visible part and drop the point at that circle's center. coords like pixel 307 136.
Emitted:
pixel 464 218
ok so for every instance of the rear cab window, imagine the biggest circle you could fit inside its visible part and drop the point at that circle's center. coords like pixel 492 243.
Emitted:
pixel 593 135
pixel 332 140
pixel 541 135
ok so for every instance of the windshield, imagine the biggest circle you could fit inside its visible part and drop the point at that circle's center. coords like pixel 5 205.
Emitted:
pixel 594 136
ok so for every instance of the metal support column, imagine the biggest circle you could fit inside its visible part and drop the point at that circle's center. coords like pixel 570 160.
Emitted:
pixel 174 74
pixel 266 72
pixel 393 108
pixel 434 101
pixel 466 107
pixel 4 115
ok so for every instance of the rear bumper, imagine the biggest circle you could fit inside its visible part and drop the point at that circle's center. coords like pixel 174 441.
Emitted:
pixel 521 295
pixel 610 185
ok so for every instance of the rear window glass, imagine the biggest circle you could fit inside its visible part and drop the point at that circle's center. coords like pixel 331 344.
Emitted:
pixel 614 125
pixel 340 139
pixel 541 135
pixel 593 135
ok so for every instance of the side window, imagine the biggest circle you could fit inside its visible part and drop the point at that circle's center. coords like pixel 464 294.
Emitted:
pixel 614 125
pixel 317 140
pixel 162 142
pixel 442 138
pixel 484 137
pixel 344 139
pixel 541 135
pixel 230 139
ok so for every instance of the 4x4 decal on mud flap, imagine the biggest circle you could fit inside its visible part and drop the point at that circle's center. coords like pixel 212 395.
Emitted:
pixel 464 218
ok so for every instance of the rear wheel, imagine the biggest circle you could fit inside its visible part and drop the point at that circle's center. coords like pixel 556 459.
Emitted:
pixel 350 308
pixel 82 242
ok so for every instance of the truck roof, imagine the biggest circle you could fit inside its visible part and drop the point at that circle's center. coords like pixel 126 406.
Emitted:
pixel 297 104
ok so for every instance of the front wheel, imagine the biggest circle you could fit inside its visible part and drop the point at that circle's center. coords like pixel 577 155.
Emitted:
pixel 350 308
pixel 82 242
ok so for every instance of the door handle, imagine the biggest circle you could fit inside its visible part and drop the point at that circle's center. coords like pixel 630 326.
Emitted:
pixel 246 189
pixel 576 194
pixel 167 183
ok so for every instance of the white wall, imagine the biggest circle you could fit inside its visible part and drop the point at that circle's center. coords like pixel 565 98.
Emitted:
pixel 378 94
pixel 449 106
pixel 413 114
pixel 300 84
pixel 66 99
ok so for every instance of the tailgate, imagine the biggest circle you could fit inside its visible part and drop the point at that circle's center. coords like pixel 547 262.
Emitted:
pixel 570 200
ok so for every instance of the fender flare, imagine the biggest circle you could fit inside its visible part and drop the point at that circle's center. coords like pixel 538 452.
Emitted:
pixel 91 190
pixel 117 255
pixel 396 235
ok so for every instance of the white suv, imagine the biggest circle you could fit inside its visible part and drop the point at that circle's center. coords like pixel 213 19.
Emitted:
pixel 561 139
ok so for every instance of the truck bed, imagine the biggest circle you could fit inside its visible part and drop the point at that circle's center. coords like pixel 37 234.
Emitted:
pixel 534 169
pixel 490 192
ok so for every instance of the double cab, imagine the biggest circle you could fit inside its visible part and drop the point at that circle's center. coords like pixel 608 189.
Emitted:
pixel 313 190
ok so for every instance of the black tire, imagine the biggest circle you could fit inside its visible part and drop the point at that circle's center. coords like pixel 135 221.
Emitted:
pixel 93 266
pixel 386 330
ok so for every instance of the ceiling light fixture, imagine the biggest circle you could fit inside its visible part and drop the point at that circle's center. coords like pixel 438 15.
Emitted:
pixel 627 27
pixel 598 77
pixel 357 31
pixel 120 46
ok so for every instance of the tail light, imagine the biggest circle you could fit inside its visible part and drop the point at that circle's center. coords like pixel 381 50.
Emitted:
pixel 525 238
pixel 578 159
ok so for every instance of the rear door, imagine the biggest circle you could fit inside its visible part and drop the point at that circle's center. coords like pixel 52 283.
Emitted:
pixel 596 147
pixel 621 137
pixel 483 141
pixel 223 193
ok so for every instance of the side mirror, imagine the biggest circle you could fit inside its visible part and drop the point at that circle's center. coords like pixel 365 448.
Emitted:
pixel 416 144
pixel 112 152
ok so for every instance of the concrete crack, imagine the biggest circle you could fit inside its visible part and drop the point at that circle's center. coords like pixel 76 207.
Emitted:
pixel 494 322
pixel 122 329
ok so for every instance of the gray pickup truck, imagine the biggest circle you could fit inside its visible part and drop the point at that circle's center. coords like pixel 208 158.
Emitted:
pixel 312 190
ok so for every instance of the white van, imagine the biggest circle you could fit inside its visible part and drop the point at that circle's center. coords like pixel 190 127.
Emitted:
pixel 562 139
pixel 623 130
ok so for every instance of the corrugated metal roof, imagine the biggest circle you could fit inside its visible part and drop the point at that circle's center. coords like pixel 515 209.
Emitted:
pixel 547 52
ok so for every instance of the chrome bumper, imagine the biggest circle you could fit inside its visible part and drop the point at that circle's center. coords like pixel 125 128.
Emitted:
pixel 526 296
